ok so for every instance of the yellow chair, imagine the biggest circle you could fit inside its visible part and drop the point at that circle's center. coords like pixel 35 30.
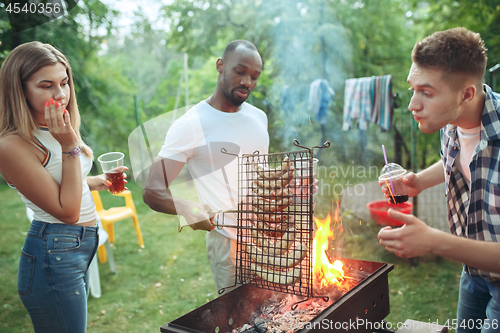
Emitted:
pixel 114 214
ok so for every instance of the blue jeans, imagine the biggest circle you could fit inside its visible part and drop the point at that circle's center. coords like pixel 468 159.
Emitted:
pixel 52 281
pixel 478 305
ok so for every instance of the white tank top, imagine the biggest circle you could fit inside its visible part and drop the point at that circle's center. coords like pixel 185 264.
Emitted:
pixel 53 164
pixel 469 140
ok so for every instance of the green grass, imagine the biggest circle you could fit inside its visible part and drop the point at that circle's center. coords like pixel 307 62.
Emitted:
pixel 171 275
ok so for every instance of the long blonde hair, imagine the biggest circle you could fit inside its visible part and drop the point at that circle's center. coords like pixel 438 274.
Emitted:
pixel 20 64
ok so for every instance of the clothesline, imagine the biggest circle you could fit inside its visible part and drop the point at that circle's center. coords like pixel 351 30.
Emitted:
pixel 368 99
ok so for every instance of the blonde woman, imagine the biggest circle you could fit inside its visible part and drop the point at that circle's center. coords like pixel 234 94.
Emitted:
pixel 46 161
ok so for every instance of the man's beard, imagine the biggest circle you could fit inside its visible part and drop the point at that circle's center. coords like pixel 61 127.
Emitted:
pixel 230 98
pixel 229 94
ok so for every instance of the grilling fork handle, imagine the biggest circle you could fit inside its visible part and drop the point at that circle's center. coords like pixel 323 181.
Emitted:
pixel 212 214
pixel 220 226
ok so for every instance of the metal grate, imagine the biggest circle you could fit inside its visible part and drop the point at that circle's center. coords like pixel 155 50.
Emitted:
pixel 275 226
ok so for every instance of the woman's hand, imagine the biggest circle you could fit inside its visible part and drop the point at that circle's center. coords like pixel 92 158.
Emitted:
pixel 59 124
pixel 100 183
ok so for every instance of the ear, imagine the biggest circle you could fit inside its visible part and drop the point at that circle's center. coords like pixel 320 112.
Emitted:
pixel 468 93
pixel 219 65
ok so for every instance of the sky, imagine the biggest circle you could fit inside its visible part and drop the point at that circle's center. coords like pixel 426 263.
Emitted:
pixel 127 8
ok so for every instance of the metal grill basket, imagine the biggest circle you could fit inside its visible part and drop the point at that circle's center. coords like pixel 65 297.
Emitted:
pixel 275 221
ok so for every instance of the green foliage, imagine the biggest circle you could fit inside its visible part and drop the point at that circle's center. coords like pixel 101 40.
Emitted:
pixel 482 16
pixel 109 115
pixel 104 93
pixel 302 41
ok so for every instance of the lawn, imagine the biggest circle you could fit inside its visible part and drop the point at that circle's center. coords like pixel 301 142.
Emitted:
pixel 171 275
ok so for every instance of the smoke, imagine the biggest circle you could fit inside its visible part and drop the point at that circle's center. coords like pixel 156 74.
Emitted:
pixel 308 44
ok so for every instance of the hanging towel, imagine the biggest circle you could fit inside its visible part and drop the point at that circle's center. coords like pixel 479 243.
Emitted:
pixel 314 96
pixel 320 95
pixel 368 99
pixel 357 102
pixel 286 101
pixel 350 86
pixel 327 94
pixel 365 103
pixel 382 104
pixel 376 99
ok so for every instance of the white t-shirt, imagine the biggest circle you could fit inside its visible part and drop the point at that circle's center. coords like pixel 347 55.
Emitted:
pixel 196 139
pixel 469 140
pixel 53 164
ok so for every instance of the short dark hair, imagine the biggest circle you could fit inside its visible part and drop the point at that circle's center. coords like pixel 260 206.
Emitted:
pixel 456 51
pixel 234 44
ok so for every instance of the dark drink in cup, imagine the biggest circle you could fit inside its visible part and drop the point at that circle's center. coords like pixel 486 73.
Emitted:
pixel 397 199
pixel 392 175
pixel 117 182
pixel 112 166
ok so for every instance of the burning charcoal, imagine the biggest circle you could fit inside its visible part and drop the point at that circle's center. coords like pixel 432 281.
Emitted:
pixel 257 328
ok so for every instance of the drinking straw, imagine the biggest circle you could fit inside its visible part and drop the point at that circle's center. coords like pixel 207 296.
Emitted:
pixel 387 164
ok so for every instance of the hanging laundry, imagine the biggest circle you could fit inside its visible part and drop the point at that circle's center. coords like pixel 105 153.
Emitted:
pixel 357 102
pixel 368 99
pixel 287 104
pixel 320 96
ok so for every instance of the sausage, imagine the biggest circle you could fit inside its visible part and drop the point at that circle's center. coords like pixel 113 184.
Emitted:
pixel 274 193
pixel 289 259
pixel 281 182
pixel 261 205
pixel 275 218
pixel 278 277
pixel 267 173
pixel 273 230
pixel 277 247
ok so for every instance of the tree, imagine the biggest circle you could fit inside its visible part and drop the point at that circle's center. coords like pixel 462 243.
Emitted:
pixel 299 42
pixel 482 16
pixel 101 87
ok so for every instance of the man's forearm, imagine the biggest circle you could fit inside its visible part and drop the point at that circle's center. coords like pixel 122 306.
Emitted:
pixel 160 200
pixel 478 254
pixel 431 176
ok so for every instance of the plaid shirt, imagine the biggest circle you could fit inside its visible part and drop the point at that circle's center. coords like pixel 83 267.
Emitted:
pixel 475 212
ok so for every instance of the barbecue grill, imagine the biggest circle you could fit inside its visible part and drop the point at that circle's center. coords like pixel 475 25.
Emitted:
pixel 274 255
pixel 366 304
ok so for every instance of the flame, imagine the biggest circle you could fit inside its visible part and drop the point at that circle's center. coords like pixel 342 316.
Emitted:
pixel 325 273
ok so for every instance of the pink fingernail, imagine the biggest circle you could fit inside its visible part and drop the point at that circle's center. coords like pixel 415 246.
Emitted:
pixel 46 104
pixel 57 104
pixel 65 111
pixel 51 101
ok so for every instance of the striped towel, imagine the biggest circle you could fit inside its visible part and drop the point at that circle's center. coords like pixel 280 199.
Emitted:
pixel 368 99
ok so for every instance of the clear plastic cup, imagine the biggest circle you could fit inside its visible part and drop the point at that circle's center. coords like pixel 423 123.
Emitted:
pixel 392 175
pixel 110 163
